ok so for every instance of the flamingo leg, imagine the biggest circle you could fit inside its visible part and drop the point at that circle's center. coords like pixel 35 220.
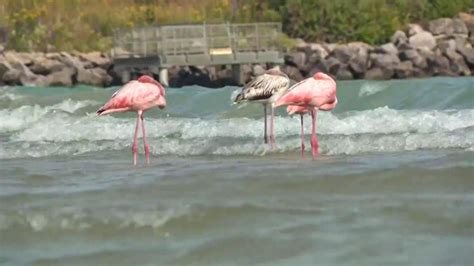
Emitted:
pixel 302 136
pixel 145 143
pixel 314 139
pixel 272 128
pixel 265 136
pixel 134 143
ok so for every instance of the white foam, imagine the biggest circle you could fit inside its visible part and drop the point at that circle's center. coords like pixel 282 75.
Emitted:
pixel 371 88
pixel 46 131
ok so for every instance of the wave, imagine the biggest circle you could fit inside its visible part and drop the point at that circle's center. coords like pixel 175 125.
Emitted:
pixel 54 130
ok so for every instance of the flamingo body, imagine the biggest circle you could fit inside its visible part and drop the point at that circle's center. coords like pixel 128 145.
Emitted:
pixel 309 95
pixel 136 96
pixel 266 89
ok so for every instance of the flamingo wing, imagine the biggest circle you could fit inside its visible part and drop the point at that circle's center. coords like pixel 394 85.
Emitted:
pixel 263 87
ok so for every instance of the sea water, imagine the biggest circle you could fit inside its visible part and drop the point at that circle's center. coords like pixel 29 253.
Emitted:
pixel 394 183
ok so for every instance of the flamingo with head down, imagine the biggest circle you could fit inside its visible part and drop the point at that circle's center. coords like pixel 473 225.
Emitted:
pixel 310 95
pixel 137 96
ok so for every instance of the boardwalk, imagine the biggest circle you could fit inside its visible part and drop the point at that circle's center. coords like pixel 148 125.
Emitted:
pixel 158 48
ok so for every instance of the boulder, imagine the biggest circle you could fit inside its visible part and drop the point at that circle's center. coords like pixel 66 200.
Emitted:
pixel 318 51
pixel 448 26
pixel 384 60
pixel 414 29
pixel 422 39
pixel 388 48
pixel 404 70
pixel 343 53
pixel 45 66
pixel 447 45
pixel 98 59
pixel 12 77
pixel 4 65
pixel 343 73
pixel 398 38
pixel 379 73
pixel 468 20
pixel 332 65
pixel 439 65
pixel 457 64
pixel 292 72
pixel 468 54
pixel 61 78
pixel 258 70
pixel 413 56
pixel 298 58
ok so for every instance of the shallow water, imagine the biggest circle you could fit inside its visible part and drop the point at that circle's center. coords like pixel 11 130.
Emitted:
pixel 394 184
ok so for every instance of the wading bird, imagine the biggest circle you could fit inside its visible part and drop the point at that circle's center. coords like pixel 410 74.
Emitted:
pixel 314 93
pixel 137 96
pixel 266 89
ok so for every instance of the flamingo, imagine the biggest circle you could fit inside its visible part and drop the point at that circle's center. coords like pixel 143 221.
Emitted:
pixel 136 96
pixel 266 89
pixel 314 93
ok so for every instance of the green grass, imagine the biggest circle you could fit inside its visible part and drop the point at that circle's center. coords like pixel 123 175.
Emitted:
pixel 87 25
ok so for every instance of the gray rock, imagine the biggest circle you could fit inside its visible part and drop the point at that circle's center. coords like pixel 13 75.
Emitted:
pixel 343 73
pixel 457 64
pixel 332 65
pixel 388 48
pixel 97 59
pixel 343 53
pixel 468 20
pixel 447 26
pixel 468 54
pixel 299 58
pixel 45 66
pixel 413 56
pixel 379 73
pixel 61 78
pixel 318 50
pixel 422 39
pixel 4 65
pixel 292 72
pixel 404 70
pixel 258 70
pixel 414 29
pixel 447 45
pixel 384 60
pixel 12 77
pixel 398 38
pixel 95 77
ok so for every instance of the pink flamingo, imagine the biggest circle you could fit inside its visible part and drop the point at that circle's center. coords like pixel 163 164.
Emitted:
pixel 316 92
pixel 137 96
pixel 266 89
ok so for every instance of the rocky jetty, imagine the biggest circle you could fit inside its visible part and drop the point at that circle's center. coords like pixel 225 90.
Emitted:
pixel 442 47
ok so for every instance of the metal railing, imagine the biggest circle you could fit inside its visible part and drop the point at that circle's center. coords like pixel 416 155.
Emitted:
pixel 203 39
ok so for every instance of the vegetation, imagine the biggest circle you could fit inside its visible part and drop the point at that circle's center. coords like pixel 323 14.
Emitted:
pixel 86 25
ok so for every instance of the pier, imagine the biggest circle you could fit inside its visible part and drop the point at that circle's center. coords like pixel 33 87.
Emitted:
pixel 160 47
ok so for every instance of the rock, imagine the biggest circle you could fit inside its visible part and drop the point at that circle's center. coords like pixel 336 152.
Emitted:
pixel 468 20
pixel 414 29
pixel 97 59
pixel 292 72
pixel 388 48
pixel 413 56
pixel 258 70
pixel 61 78
pixel 343 73
pixel 343 53
pixel 4 65
pixel 447 45
pixel 447 26
pixel 422 39
pixel 468 54
pixel 332 65
pixel 330 46
pixel 404 70
pixel 12 77
pixel 379 73
pixel 439 65
pixel 299 59
pixel 398 38
pixel 457 64
pixel 44 66
pixel 318 50
pixel 384 60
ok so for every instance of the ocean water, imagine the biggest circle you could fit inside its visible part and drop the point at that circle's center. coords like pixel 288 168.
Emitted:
pixel 394 184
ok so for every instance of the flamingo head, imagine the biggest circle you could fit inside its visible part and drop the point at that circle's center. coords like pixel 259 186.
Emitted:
pixel 321 75
pixel 148 79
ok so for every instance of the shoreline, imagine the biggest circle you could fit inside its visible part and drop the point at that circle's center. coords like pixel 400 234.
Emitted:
pixel 442 47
